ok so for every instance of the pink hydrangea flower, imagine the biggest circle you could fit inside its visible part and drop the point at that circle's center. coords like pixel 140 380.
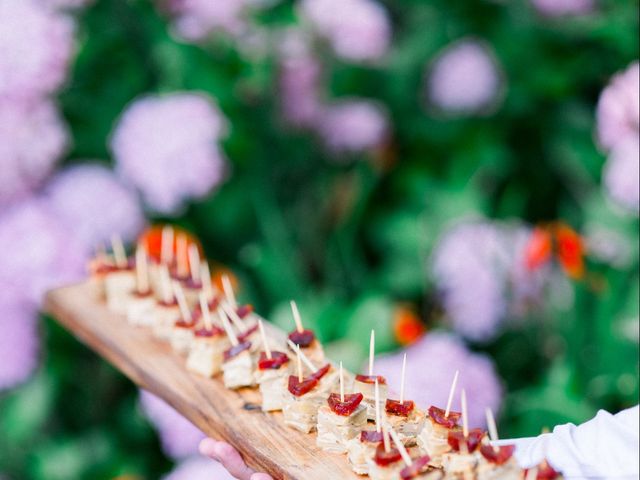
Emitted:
pixel 195 20
pixel 19 342
pixel 39 253
pixel 480 272
pixel 298 85
pixel 36 45
pixel 167 147
pixel 72 197
pixel 198 468
pixel 431 365
pixel 179 437
pixel 621 174
pixel 25 163
pixel 353 125
pixel 357 30
pixel 560 8
pixel 464 79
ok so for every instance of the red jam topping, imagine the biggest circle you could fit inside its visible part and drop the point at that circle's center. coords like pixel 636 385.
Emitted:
pixel 190 283
pixel 394 407
pixel 205 332
pixel 347 407
pixel 172 303
pixel 545 472
pixel 418 466
pixel 274 363
pixel 243 337
pixel 384 458
pixel 321 372
pixel 371 436
pixel 299 388
pixel 303 339
pixel 138 294
pixel 237 350
pixel 437 415
pixel 244 310
pixel 183 324
pixel 456 438
pixel 497 455
pixel 371 379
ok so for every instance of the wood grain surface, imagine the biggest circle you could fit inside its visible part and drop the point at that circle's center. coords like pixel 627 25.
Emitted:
pixel 263 439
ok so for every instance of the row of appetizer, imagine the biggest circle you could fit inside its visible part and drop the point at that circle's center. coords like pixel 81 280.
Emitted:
pixel 385 438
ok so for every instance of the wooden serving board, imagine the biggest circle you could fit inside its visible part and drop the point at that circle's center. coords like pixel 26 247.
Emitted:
pixel 263 439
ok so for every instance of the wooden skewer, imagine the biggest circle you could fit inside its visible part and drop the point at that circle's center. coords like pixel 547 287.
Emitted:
pixel 296 316
pixel 182 302
pixel 532 474
pixel 267 350
pixel 206 314
pixel 227 328
pixel 493 429
pixel 166 249
pixel 385 439
pixel 451 392
pixel 304 358
pixel 233 316
pixel 402 378
pixel 119 254
pixel 341 384
pixel 465 418
pixel 142 270
pixel 207 286
pixel 299 365
pixel 377 400
pixel 194 263
pixel 400 447
pixel 182 255
pixel 228 291
pixel 165 284
pixel 372 351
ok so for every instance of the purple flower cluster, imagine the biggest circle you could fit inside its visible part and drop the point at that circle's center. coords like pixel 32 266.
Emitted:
pixel 464 79
pixel 561 8
pixel 431 366
pixel 195 20
pixel 479 269
pixel 618 128
pixel 167 147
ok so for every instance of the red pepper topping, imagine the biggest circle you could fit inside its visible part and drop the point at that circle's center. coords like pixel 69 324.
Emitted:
pixel 497 455
pixel 545 472
pixel 183 324
pixel 371 379
pixel 371 436
pixel 298 388
pixel 274 363
pixel 244 310
pixel 437 415
pixel 237 350
pixel 346 408
pixel 419 465
pixel 243 337
pixel 384 458
pixel 456 439
pixel 303 339
pixel 204 332
pixel 321 372
pixel 394 407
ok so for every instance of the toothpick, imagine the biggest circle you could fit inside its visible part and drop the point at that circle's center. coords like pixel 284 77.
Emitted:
pixel 296 316
pixel 304 358
pixel 182 255
pixel 165 284
pixel 402 377
pixel 194 263
pixel 233 316
pixel 385 439
pixel 119 253
pixel 228 291
pixel 341 384
pixel 227 328
pixel 400 447
pixel 166 248
pixel 372 351
pixel 299 365
pixel 532 474
pixel 491 425
pixel 182 302
pixel 207 286
pixel 267 350
pixel 206 314
pixel 142 270
pixel 465 419
pixel 451 392
pixel 377 400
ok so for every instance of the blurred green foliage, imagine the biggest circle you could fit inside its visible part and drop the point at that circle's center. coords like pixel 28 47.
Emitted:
pixel 351 241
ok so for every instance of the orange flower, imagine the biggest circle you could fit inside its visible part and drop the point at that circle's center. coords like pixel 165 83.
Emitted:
pixel 538 250
pixel 570 251
pixel 151 238
pixel 407 326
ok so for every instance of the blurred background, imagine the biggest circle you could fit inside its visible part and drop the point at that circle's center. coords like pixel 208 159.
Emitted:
pixel 461 176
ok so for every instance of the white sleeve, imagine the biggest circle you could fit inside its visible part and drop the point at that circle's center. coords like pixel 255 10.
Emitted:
pixel 604 447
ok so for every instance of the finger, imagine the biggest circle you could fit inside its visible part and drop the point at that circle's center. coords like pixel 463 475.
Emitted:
pixel 261 476
pixel 232 461
pixel 207 448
